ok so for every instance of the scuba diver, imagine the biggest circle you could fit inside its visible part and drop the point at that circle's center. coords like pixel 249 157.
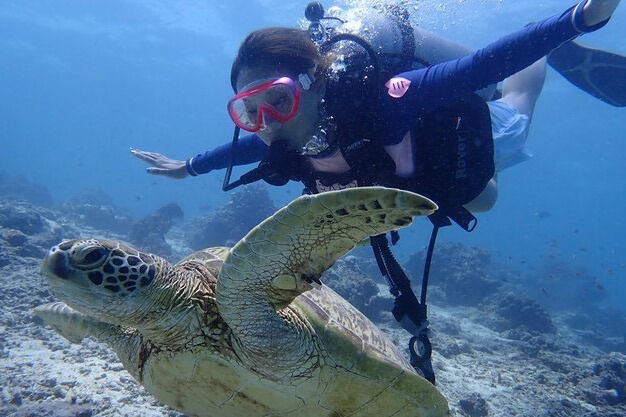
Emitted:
pixel 335 110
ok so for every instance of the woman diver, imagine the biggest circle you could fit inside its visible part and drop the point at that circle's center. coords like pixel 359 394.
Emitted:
pixel 332 116
pixel 323 98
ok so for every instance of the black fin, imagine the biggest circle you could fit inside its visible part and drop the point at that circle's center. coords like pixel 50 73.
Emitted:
pixel 599 73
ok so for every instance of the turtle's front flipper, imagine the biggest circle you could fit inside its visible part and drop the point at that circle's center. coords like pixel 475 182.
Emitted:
pixel 599 73
pixel 287 253
pixel 69 323
pixel 75 326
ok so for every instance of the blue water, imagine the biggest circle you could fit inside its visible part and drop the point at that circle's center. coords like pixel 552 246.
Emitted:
pixel 82 82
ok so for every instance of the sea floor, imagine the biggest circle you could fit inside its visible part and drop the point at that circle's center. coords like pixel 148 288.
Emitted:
pixel 482 371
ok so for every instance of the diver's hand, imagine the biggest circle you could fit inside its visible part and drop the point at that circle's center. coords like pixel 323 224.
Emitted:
pixel 597 11
pixel 162 165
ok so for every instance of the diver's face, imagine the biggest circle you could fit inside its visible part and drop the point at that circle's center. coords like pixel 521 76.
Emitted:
pixel 297 131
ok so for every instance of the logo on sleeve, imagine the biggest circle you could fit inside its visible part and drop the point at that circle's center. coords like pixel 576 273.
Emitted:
pixel 398 86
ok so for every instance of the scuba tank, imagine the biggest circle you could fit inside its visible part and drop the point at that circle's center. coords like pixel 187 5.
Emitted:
pixel 387 31
pixel 399 45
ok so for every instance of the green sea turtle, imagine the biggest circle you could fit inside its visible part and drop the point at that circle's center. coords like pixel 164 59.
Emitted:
pixel 248 331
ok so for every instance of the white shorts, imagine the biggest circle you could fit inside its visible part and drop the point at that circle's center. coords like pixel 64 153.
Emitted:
pixel 510 130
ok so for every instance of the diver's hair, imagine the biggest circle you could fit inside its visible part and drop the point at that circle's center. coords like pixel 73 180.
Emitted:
pixel 286 49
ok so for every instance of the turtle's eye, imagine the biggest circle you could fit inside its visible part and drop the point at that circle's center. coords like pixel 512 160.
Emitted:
pixel 90 257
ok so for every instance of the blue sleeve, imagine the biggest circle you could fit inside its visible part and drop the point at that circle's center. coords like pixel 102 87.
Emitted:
pixel 250 149
pixel 439 83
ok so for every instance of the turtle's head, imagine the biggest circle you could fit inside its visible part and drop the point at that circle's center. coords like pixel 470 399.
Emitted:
pixel 100 278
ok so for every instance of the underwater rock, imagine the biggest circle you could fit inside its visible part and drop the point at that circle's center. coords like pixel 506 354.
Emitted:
pixel 610 377
pixel 474 406
pixel 13 237
pixel 452 348
pixel 27 230
pixel 53 408
pixel 361 290
pixel 149 232
pixel 514 312
pixel 95 209
pixel 228 224
pixel 461 274
pixel 4 257
pixel 19 217
pixel 21 188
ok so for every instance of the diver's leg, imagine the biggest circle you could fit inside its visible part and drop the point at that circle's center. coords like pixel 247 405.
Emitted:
pixel 521 90
pixel 486 199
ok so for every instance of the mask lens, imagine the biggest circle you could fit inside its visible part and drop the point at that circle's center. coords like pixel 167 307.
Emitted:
pixel 279 99
pixel 244 113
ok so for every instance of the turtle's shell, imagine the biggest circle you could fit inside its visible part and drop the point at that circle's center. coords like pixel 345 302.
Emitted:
pixel 360 373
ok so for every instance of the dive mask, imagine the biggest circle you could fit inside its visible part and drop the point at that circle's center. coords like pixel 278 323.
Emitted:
pixel 277 99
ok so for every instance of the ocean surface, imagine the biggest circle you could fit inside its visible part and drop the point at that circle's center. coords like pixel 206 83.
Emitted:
pixel 81 83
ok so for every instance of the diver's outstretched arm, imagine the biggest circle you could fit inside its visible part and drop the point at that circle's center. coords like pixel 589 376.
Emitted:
pixel 250 149
pixel 434 49
pixel 498 60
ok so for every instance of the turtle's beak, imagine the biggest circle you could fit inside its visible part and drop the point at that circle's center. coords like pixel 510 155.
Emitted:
pixel 55 264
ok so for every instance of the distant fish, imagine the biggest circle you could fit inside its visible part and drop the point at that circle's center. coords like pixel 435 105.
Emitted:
pixel 542 214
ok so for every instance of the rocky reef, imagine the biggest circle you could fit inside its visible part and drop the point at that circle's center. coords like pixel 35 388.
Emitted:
pixel 459 275
pixel 94 208
pixel 229 223
pixel 149 232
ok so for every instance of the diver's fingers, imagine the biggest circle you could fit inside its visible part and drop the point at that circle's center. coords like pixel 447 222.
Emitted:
pixel 159 171
pixel 152 158
pixel 177 173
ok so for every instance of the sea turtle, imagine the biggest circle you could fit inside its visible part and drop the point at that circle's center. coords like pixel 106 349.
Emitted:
pixel 248 331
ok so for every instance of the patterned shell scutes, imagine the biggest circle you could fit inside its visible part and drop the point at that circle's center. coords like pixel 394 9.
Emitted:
pixel 211 258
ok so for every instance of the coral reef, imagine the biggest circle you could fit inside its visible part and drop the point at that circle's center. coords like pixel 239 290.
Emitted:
pixel 226 225
pixel 459 275
pixel 349 280
pixel 474 405
pixel 94 208
pixel 513 311
pixel 26 230
pixel 610 377
pixel 149 232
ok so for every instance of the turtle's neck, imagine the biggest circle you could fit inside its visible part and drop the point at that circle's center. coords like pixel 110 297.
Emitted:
pixel 176 308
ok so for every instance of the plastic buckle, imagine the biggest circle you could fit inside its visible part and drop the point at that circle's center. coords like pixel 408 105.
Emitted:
pixel 421 361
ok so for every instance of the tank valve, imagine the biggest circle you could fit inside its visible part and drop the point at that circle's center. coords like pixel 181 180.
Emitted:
pixel 314 11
